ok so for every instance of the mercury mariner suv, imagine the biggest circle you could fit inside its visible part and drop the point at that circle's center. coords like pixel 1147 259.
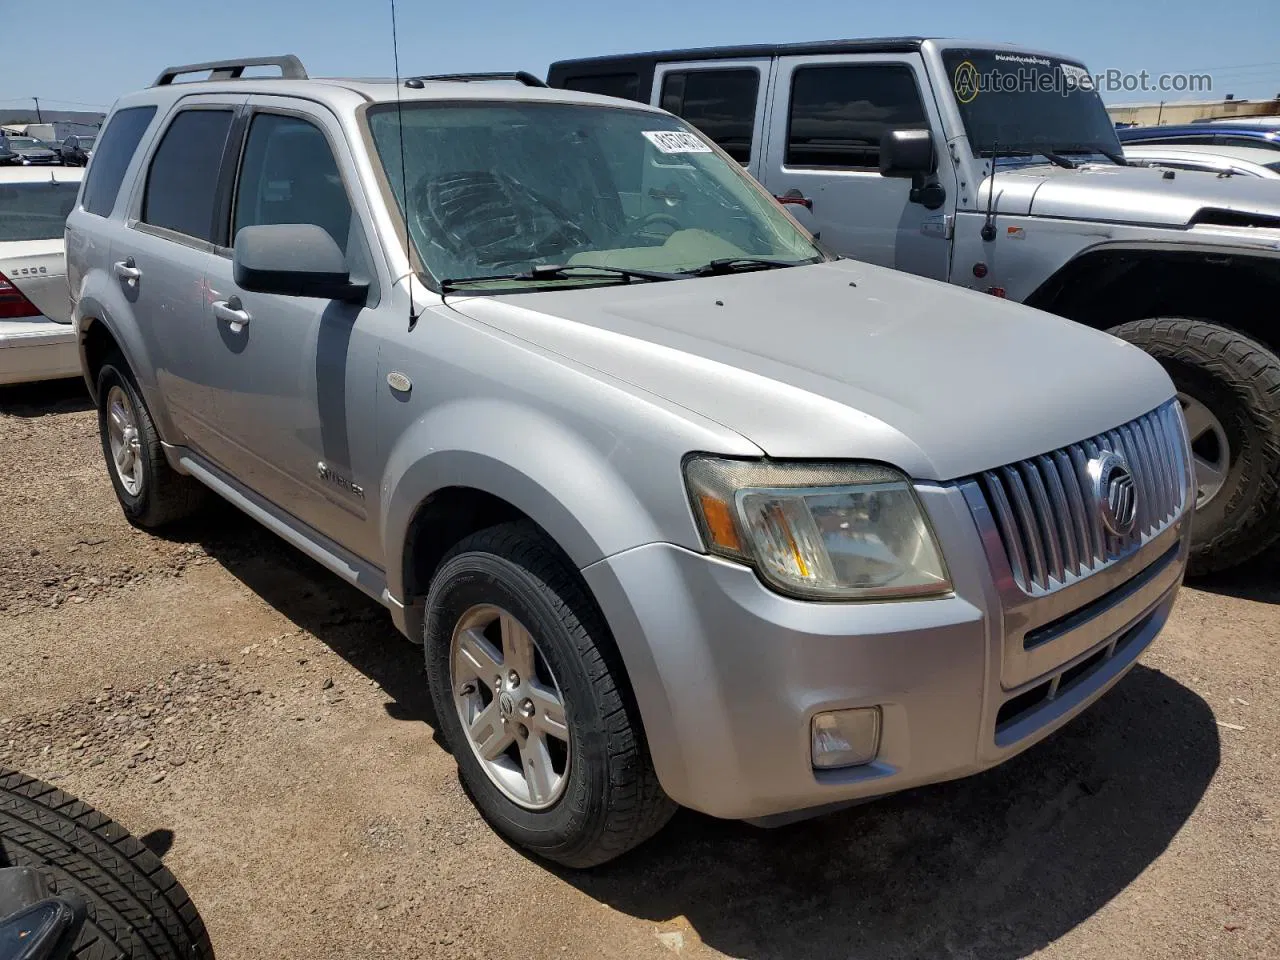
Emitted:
pixel 683 509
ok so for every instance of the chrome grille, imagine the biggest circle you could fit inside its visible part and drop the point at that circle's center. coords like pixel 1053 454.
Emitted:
pixel 1048 517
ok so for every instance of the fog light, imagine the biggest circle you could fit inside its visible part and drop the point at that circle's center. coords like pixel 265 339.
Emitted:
pixel 845 738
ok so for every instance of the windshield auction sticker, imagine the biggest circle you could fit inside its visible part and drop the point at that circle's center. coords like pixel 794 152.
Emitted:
pixel 676 141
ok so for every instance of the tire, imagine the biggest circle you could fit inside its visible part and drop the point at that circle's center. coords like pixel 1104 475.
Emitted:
pixel 1238 380
pixel 135 908
pixel 161 495
pixel 611 800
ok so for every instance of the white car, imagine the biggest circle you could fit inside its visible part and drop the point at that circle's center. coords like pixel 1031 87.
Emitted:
pixel 37 340
pixel 1209 157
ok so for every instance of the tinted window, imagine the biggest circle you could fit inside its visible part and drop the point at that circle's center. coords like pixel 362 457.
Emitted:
pixel 35 211
pixel 119 143
pixel 624 85
pixel 289 176
pixel 720 103
pixel 183 179
pixel 838 114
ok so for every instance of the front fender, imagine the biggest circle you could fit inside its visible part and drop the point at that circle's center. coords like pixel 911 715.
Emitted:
pixel 583 496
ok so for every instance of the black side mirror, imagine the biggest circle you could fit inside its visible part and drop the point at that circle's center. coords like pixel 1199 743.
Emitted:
pixel 294 260
pixel 911 153
pixel 907 153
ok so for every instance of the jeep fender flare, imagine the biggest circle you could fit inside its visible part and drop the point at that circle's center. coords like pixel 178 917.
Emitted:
pixel 1080 262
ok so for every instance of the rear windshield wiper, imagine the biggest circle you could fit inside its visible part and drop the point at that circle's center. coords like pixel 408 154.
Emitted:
pixel 726 265
pixel 563 271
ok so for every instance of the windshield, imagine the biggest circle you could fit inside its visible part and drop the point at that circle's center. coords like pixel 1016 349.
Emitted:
pixel 86 143
pixel 1025 104
pixel 26 143
pixel 497 188
pixel 35 211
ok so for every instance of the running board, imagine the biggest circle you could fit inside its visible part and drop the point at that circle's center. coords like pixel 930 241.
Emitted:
pixel 364 576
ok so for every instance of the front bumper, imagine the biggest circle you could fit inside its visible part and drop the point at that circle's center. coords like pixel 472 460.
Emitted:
pixel 728 674
pixel 37 349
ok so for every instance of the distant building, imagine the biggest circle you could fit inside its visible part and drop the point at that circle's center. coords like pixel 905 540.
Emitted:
pixel 51 125
pixel 1188 111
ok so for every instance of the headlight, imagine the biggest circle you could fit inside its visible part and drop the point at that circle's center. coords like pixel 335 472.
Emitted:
pixel 819 531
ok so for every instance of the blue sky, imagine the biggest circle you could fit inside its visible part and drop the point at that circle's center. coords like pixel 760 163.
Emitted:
pixel 90 51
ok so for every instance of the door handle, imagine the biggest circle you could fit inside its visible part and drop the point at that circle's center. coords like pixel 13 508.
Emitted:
pixel 794 197
pixel 231 312
pixel 128 271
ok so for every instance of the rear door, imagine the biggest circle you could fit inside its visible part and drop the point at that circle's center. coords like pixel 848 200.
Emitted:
pixel 725 99
pixel 161 258
pixel 827 117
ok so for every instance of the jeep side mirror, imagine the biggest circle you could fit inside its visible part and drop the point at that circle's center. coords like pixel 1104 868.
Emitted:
pixel 911 153
pixel 294 260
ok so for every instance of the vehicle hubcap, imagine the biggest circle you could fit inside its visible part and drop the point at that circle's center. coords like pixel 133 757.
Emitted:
pixel 123 438
pixel 510 706
pixel 1209 448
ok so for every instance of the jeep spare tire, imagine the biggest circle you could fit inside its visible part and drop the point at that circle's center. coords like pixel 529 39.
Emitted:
pixel 1229 388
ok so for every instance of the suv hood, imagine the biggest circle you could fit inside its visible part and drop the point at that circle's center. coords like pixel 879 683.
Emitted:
pixel 1111 194
pixel 845 360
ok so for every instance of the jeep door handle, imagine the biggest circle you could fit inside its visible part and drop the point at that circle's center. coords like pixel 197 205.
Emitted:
pixel 795 198
pixel 128 271
pixel 231 312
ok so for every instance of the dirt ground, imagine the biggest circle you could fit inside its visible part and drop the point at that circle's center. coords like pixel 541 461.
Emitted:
pixel 264 727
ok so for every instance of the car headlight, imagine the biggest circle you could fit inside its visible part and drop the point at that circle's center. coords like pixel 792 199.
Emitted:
pixel 819 531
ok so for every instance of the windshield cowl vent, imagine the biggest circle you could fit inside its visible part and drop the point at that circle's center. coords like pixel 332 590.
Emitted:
pixel 1217 217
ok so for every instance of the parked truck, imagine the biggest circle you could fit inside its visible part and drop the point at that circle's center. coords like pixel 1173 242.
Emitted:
pixel 997 168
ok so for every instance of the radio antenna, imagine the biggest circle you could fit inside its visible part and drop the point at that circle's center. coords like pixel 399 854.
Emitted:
pixel 404 177
pixel 988 231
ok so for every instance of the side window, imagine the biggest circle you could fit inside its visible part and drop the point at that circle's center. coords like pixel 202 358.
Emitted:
pixel 720 103
pixel 838 114
pixel 624 85
pixel 289 175
pixel 116 147
pixel 183 180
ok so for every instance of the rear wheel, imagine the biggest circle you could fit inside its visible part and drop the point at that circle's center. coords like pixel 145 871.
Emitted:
pixel 150 492
pixel 531 697
pixel 1229 388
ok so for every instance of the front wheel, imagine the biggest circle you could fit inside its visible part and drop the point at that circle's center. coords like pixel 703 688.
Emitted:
pixel 531 697
pixel 1229 388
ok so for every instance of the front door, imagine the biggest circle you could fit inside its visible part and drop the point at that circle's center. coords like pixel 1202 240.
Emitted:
pixel 294 373
pixel 827 117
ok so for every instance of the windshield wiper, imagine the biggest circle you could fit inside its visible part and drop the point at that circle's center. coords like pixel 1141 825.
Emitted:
pixel 1116 158
pixel 562 271
pixel 1055 158
pixel 726 265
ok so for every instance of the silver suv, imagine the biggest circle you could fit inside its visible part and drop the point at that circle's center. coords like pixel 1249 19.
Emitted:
pixel 684 510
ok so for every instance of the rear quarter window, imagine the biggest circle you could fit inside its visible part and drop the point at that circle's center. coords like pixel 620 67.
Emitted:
pixel 112 158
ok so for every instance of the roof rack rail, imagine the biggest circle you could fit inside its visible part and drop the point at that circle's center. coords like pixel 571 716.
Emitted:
pixel 290 69
pixel 528 79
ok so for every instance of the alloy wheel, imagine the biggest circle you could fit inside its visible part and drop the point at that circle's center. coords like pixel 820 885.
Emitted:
pixel 510 706
pixel 124 441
